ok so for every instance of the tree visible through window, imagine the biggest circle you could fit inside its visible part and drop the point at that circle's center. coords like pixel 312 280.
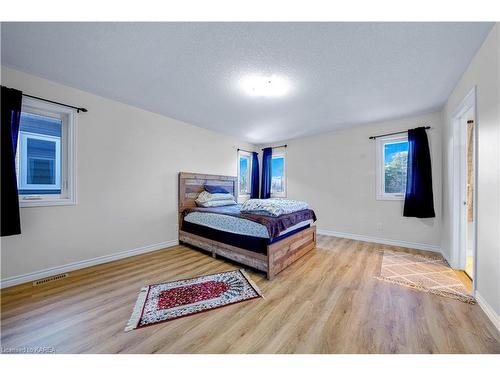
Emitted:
pixel 392 158
pixel 395 160
pixel 278 175
pixel 244 165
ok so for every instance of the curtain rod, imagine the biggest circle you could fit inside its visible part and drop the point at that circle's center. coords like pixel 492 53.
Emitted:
pixel 240 149
pixel 278 147
pixel 402 131
pixel 78 109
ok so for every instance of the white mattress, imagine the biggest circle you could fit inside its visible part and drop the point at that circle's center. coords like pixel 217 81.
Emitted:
pixel 236 225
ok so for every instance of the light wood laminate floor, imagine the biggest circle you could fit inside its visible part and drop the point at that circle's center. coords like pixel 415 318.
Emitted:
pixel 327 302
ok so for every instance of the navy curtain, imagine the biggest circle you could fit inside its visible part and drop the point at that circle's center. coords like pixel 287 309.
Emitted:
pixel 10 116
pixel 254 189
pixel 419 200
pixel 265 188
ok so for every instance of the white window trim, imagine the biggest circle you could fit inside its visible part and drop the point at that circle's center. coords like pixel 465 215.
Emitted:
pixel 68 151
pixel 380 142
pixel 280 152
pixel 249 157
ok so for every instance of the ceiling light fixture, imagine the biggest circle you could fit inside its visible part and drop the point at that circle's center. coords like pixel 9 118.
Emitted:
pixel 265 86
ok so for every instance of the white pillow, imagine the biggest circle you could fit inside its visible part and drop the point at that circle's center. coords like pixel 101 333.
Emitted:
pixel 205 196
pixel 219 203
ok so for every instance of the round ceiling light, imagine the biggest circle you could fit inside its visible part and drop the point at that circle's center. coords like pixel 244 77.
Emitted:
pixel 265 86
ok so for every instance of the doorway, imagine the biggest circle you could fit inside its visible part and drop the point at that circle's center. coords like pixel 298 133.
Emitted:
pixel 468 198
pixel 465 186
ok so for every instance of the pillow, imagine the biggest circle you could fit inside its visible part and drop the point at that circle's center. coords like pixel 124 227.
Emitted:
pixel 205 196
pixel 219 203
pixel 215 189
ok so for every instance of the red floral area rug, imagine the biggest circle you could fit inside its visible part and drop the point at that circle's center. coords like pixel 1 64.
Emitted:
pixel 175 299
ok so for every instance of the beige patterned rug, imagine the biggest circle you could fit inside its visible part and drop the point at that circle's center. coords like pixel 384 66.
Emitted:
pixel 427 274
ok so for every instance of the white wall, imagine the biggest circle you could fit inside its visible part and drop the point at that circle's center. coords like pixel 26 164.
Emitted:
pixel 336 173
pixel 483 72
pixel 127 165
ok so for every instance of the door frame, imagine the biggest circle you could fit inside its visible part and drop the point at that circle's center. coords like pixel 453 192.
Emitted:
pixel 459 185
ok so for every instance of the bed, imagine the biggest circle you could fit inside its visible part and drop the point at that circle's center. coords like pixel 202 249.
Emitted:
pixel 257 242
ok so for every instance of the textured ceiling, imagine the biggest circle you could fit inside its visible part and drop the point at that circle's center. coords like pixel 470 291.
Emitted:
pixel 342 74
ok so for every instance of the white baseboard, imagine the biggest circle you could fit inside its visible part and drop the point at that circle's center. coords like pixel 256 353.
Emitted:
pixel 488 310
pixel 16 280
pixel 383 241
pixel 448 260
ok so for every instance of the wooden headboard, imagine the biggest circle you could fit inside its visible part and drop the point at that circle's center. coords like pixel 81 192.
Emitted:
pixel 191 184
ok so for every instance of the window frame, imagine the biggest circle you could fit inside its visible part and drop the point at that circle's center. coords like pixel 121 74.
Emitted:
pixel 278 153
pixel 23 151
pixel 67 158
pixel 380 163
pixel 248 156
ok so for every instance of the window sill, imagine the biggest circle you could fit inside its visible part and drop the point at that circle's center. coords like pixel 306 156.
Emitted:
pixel 278 195
pixel 391 198
pixel 46 202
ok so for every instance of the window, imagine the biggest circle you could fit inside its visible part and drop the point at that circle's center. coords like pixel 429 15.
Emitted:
pixel 278 179
pixel 392 155
pixel 45 154
pixel 244 168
